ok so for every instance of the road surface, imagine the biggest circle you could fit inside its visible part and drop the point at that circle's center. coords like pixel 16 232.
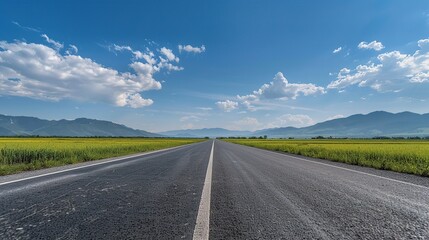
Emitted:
pixel 215 190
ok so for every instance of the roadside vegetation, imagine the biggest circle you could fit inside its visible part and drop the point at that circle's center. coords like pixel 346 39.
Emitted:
pixel 22 154
pixel 406 156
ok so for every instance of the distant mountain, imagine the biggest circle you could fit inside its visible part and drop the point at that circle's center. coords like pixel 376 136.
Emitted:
pixel 80 127
pixel 205 132
pixel 374 124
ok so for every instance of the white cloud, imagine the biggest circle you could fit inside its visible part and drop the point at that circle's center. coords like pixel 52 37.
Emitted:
pixel 72 49
pixel 133 100
pixel 337 50
pixel 43 73
pixel 148 56
pixel 25 28
pixel 170 67
pixel 205 108
pixel 247 123
pixel 168 53
pixel 279 88
pixel 335 117
pixel 192 118
pixel 189 48
pixel 422 43
pixel 120 48
pixel 377 46
pixel 227 105
pixel 291 120
pixel 393 70
pixel 57 45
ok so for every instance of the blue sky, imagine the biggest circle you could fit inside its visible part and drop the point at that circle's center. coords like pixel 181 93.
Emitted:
pixel 242 65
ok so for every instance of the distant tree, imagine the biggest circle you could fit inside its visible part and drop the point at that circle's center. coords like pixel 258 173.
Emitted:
pixel 416 137
pixel 381 137
pixel 318 137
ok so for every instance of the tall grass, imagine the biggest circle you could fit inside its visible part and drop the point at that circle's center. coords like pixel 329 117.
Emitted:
pixel 407 156
pixel 20 154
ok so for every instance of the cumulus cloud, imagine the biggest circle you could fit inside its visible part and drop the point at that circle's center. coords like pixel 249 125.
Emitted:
pixel 189 48
pixel 391 71
pixel 291 120
pixel 170 67
pixel 164 61
pixel 377 46
pixel 133 100
pixel 337 50
pixel 42 72
pixel 57 45
pixel 279 88
pixel 148 56
pixel 156 63
pixel 227 105
pixel 168 53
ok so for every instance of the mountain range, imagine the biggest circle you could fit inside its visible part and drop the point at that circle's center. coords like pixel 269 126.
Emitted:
pixel 373 124
pixel 80 127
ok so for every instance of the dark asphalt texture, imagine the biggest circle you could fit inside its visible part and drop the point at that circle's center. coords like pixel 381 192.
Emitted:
pixel 255 194
pixel 151 197
pixel 258 194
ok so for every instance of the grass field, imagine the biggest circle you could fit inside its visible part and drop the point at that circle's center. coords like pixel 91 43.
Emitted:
pixel 407 156
pixel 21 154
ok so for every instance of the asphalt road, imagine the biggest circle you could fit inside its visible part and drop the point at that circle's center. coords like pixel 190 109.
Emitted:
pixel 242 193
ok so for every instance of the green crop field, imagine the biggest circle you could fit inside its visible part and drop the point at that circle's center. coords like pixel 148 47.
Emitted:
pixel 408 156
pixel 21 154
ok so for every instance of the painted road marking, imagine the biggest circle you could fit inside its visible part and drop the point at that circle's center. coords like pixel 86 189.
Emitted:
pixel 364 173
pixel 202 226
pixel 95 164
pixel 343 168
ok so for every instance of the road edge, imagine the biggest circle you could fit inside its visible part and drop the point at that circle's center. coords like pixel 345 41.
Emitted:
pixel 405 178
pixel 27 175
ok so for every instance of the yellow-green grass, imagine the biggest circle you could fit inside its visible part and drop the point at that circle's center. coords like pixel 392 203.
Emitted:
pixel 22 154
pixel 407 156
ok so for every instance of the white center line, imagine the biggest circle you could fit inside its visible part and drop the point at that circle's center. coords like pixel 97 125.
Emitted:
pixel 202 226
